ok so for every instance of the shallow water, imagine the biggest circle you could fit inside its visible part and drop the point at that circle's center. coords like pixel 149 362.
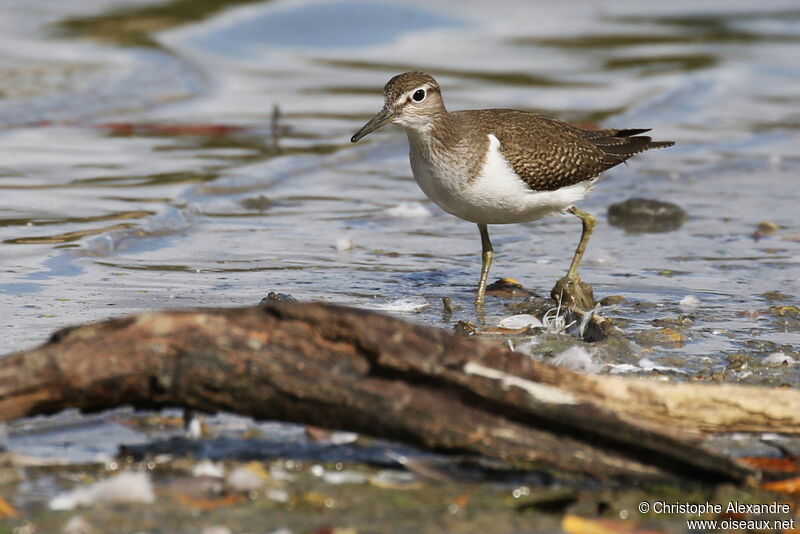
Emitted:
pixel 143 166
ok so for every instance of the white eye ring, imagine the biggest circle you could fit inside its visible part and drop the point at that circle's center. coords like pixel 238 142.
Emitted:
pixel 419 95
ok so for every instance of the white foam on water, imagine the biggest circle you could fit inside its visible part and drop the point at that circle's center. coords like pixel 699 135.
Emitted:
pixel 577 359
pixel 409 210
pixel 689 302
pixel 778 358
pixel 410 304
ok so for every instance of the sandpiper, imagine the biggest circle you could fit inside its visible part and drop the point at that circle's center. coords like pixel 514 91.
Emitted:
pixel 501 166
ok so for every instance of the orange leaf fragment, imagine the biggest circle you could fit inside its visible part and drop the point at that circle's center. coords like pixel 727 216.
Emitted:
pixel 790 485
pixel 785 465
pixel 7 511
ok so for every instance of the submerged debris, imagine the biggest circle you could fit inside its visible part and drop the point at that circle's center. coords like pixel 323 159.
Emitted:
pixel 447 304
pixel 556 320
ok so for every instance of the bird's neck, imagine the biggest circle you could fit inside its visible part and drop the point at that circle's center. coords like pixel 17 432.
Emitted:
pixel 439 134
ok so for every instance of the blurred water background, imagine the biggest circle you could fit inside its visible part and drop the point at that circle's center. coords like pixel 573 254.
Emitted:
pixel 163 154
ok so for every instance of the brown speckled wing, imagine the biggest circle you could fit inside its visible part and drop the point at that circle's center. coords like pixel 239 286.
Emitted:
pixel 549 154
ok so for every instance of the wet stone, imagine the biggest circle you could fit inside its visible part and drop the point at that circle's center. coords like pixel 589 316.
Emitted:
pixel 507 288
pixel 646 215
pixel 611 300
pixel 761 345
pixel 465 328
pixel 532 305
pixel 737 361
pixel 660 336
pixel 775 295
pixel 679 322
pixel 273 297
pixel 259 203
pixel 785 311
pixel 767 227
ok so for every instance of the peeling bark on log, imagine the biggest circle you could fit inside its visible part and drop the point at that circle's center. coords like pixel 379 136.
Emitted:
pixel 352 369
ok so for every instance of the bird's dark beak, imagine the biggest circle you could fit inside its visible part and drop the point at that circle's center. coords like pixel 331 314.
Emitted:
pixel 384 116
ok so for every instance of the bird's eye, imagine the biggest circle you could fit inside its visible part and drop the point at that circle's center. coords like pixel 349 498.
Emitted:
pixel 419 95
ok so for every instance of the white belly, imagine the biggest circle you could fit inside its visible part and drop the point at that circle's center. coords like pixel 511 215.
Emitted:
pixel 496 196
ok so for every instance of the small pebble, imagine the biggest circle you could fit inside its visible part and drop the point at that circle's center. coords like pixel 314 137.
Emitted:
pixel 660 336
pixel 207 468
pixel 317 470
pixel 78 525
pixel 736 361
pixel 259 203
pixel 246 478
pixel 646 215
pixel 127 487
pixel 277 495
pixel 767 227
pixel 344 477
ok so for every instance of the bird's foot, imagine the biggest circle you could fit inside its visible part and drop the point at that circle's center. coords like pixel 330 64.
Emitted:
pixel 573 292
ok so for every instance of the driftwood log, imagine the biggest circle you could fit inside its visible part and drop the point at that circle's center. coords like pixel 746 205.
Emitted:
pixel 351 369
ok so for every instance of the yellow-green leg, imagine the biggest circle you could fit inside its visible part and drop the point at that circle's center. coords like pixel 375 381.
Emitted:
pixel 570 290
pixel 486 261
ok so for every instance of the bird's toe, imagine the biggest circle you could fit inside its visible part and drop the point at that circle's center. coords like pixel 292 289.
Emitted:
pixel 573 292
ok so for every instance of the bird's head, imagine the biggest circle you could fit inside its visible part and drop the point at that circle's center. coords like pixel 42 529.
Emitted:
pixel 411 100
